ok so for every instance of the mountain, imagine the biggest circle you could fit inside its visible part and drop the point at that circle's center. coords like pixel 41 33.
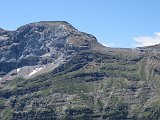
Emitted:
pixel 51 71
pixel 33 46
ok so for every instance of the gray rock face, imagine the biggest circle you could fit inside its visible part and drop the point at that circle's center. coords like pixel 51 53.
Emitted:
pixel 40 43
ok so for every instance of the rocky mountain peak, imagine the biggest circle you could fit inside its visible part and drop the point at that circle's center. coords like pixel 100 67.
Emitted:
pixel 52 30
pixel 43 25
pixel 41 43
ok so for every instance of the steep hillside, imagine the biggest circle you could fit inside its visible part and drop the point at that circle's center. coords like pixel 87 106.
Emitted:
pixel 35 45
pixel 90 81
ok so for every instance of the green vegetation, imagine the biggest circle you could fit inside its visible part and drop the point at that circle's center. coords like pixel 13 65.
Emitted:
pixel 7 114
pixel 99 86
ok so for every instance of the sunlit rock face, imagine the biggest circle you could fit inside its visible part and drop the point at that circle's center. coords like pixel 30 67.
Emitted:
pixel 39 44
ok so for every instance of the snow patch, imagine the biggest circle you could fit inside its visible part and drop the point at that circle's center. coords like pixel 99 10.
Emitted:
pixel 18 69
pixel 35 70
pixel 0 78
pixel 38 32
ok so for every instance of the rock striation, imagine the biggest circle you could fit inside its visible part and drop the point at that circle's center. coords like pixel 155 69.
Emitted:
pixel 40 43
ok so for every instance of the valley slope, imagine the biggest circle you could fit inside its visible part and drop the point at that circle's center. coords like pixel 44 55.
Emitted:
pixel 51 71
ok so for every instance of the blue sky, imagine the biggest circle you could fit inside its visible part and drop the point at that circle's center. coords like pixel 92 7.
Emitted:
pixel 116 23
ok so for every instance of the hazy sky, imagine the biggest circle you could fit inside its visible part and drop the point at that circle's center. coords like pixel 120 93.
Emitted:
pixel 116 23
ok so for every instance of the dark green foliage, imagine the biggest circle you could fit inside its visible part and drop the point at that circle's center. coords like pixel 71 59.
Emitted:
pixel 35 115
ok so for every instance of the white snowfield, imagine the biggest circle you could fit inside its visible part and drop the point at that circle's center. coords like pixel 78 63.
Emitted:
pixel 18 69
pixel 34 71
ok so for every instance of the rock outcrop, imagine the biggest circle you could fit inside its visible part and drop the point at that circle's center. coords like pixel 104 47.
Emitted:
pixel 40 43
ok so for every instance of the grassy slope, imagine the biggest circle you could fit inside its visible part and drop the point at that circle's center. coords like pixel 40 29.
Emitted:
pixel 115 85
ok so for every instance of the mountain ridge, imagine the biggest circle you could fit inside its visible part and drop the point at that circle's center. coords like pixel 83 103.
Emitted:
pixel 50 70
pixel 40 42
